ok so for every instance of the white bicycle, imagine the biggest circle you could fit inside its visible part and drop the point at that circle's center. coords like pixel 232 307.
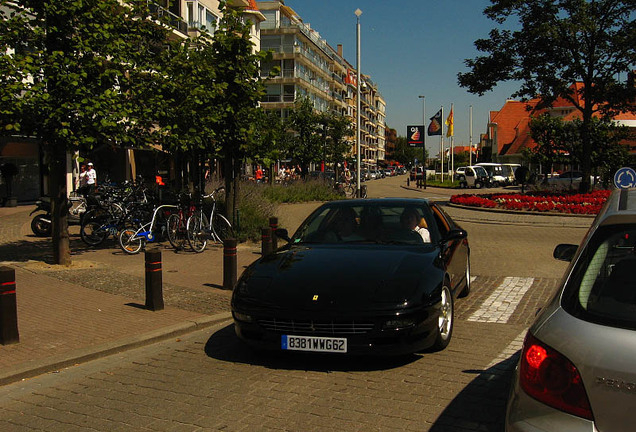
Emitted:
pixel 201 228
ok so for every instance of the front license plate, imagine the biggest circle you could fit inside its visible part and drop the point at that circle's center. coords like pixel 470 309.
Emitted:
pixel 313 343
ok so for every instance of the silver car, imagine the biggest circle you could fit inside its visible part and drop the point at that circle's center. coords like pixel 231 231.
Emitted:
pixel 577 369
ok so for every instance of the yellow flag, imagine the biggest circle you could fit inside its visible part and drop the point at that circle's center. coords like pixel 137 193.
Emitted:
pixel 450 124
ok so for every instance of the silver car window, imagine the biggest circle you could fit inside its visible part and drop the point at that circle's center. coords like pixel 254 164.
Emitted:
pixel 602 287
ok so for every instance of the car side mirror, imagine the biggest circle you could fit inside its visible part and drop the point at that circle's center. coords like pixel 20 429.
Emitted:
pixel 564 252
pixel 283 234
pixel 455 234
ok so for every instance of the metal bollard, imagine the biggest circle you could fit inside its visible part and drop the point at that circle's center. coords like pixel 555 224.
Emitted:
pixel 229 263
pixel 273 224
pixel 8 308
pixel 266 244
pixel 154 280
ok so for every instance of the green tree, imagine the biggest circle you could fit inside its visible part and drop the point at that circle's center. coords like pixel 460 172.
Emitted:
pixel 549 135
pixel 189 89
pixel 306 144
pixel 558 43
pixel 406 154
pixel 336 130
pixel 72 74
pixel 238 75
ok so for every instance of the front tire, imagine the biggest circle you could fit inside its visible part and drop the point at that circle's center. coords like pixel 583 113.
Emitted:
pixel 41 226
pixel 177 235
pixel 222 227
pixel 92 231
pixel 129 242
pixel 445 321
pixel 197 238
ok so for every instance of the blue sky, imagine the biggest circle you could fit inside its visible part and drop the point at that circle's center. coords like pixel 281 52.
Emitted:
pixel 411 48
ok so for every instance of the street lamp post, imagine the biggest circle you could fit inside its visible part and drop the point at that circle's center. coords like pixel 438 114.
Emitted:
pixel 424 164
pixel 358 12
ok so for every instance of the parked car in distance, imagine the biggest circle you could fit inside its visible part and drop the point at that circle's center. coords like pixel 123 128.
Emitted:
pixel 568 179
pixel 509 172
pixel 473 176
pixel 576 371
pixel 495 172
pixel 363 276
pixel 459 171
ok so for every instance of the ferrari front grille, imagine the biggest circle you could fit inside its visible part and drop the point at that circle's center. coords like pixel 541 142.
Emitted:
pixel 292 326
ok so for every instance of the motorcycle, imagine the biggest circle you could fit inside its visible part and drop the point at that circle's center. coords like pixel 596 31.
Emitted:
pixel 41 223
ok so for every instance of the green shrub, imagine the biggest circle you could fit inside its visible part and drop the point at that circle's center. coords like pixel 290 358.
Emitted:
pixel 257 203
pixel 254 211
pixel 302 191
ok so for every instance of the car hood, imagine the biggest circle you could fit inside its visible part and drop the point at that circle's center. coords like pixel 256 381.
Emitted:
pixel 343 276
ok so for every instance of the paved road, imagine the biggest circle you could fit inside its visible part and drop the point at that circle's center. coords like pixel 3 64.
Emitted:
pixel 209 381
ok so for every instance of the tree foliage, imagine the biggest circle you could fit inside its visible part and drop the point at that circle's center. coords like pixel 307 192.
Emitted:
pixel 561 142
pixel 240 90
pixel 556 44
pixel 72 73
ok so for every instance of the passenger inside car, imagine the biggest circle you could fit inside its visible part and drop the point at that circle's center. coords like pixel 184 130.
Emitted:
pixel 412 220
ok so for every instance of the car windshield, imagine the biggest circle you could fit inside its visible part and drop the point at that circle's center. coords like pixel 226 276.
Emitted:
pixel 480 171
pixel 367 223
pixel 603 286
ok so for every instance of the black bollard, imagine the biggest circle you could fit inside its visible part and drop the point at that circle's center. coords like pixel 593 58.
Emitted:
pixel 154 280
pixel 273 224
pixel 8 307
pixel 266 245
pixel 229 263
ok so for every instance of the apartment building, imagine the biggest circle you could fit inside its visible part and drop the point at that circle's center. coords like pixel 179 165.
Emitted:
pixel 311 68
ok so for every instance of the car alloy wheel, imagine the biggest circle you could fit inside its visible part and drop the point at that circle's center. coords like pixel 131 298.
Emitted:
pixel 445 320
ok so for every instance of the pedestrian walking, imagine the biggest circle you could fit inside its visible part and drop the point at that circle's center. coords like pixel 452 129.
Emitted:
pixel 91 178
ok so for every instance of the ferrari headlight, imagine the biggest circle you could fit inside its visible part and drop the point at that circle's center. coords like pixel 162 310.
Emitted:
pixel 399 323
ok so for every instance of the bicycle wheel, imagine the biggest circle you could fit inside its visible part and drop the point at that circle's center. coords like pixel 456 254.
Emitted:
pixel 94 229
pixel 197 238
pixel 222 227
pixel 177 234
pixel 129 241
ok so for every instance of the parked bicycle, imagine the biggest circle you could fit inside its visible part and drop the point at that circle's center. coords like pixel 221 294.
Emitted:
pixel 134 236
pixel 178 221
pixel 201 228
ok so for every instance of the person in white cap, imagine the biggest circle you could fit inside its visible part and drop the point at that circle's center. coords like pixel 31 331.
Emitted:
pixel 91 178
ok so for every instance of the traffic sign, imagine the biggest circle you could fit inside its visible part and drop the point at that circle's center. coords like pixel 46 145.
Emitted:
pixel 625 178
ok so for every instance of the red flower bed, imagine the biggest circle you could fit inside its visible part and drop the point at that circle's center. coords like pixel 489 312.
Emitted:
pixel 589 203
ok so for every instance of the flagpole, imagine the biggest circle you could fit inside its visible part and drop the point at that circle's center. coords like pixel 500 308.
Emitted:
pixel 441 141
pixel 452 143
pixel 470 135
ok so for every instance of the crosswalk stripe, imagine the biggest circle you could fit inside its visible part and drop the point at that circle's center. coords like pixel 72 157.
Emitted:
pixel 503 301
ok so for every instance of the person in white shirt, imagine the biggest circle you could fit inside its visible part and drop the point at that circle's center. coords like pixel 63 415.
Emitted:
pixel 412 220
pixel 91 178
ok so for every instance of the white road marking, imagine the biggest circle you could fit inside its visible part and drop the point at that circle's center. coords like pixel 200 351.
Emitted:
pixel 503 301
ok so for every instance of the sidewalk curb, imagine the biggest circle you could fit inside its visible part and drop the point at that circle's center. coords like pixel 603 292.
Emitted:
pixel 82 355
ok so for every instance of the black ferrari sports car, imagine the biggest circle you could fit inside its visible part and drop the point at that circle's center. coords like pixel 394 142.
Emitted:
pixel 372 276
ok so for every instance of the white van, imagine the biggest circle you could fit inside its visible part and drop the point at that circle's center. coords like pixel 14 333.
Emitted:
pixel 495 172
pixel 509 172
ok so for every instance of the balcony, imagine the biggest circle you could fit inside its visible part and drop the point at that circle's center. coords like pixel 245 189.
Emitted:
pixel 166 17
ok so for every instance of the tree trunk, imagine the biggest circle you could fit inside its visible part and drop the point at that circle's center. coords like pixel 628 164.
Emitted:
pixel 586 153
pixel 59 206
